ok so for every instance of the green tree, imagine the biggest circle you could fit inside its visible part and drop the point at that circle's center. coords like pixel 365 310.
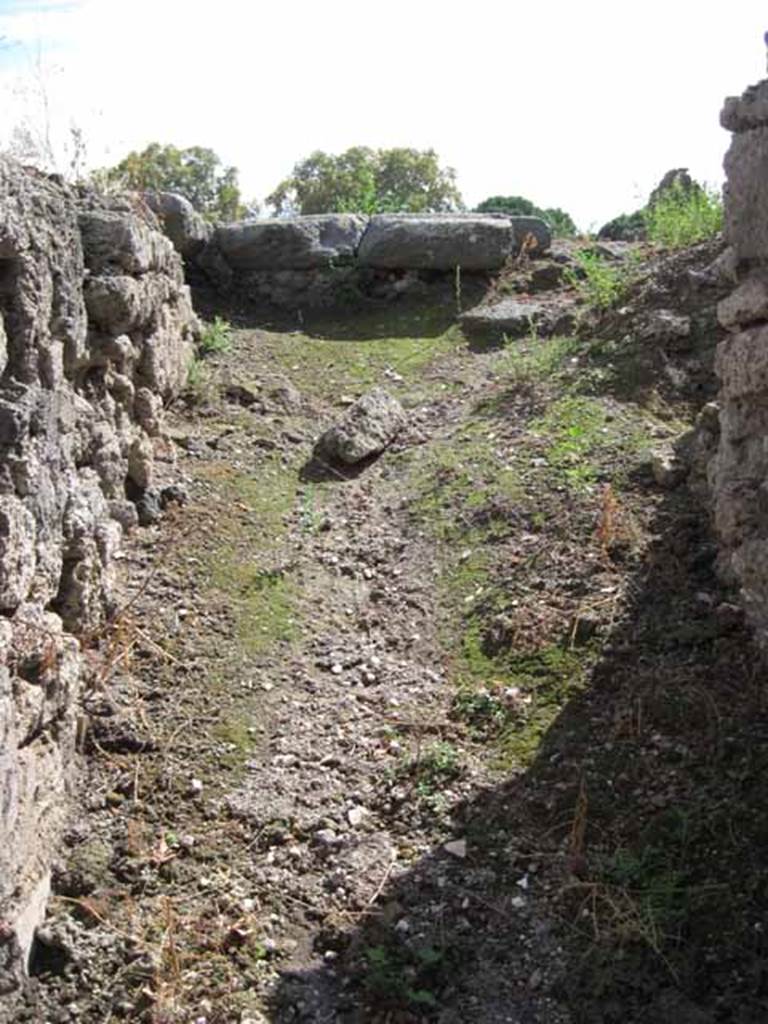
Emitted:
pixel 561 222
pixel 195 173
pixel 513 205
pixel 363 180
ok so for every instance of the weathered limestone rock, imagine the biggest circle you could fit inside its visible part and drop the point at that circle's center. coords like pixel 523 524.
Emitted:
pixel 412 242
pixel 746 207
pixel 532 234
pixel 738 471
pixel 181 222
pixel 17 552
pixel 747 305
pixel 113 242
pixel 516 318
pixel 750 110
pixel 120 303
pixel 97 328
pixel 296 243
pixel 664 326
pixel 368 426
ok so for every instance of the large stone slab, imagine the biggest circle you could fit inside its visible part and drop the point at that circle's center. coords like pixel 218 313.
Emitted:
pixel 437 242
pixel 516 318
pixel 295 243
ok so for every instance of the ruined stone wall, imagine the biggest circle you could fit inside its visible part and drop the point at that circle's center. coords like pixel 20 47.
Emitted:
pixel 322 260
pixel 739 470
pixel 96 331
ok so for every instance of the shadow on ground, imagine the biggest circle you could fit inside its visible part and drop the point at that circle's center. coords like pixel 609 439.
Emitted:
pixel 428 313
pixel 622 876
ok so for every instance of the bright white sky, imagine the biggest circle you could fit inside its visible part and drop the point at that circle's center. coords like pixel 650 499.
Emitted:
pixel 582 105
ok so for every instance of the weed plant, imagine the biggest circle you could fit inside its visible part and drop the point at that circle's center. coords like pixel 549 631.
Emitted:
pixel 600 284
pixel 217 337
pixel 681 217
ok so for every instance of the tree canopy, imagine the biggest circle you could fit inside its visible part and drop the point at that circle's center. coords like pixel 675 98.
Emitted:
pixel 195 173
pixel 363 180
pixel 561 222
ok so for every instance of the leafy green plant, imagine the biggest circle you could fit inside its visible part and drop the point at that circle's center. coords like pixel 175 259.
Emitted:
pixel 485 713
pixel 217 337
pixel 402 977
pixel 599 283
pixel 429 770
pixel 682 216
pixel 310 511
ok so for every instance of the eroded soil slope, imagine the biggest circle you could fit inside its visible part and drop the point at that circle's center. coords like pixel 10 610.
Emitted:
pixel 471 734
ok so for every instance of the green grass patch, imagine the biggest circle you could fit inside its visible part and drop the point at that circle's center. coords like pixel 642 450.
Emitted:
pixel 454 482
pixel 587 439
pixel 512 698
pixel 523 362
pixel 232 731
pixel 327 367
pixel 250 527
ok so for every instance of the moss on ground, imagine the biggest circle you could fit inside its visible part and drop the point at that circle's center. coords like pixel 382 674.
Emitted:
pixel 242 563
pixel 587 437
pixel 326 366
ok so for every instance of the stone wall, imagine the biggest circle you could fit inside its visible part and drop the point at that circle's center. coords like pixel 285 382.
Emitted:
pixel 96 331
pixel 738 473
pixel 323 259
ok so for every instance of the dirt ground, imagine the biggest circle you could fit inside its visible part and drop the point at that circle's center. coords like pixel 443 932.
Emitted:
pixel 470 734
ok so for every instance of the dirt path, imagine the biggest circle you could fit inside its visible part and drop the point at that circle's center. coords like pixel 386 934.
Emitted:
pixel 364 747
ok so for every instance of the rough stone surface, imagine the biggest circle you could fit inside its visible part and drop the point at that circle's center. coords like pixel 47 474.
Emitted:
pixel 437 242
pixel 747 305
pixel 325 260
pixel 296 243
pixel 738 470
pixel 532 234
pixel 368 426
pixel 746 207
pixel 97 328
pixel 181 222
pixel 516 318
pixel 742 113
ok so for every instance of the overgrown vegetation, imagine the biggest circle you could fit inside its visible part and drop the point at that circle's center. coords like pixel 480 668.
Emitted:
pixel 681 217
pixel 216 337
pixel 600 282
pixel 679 212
